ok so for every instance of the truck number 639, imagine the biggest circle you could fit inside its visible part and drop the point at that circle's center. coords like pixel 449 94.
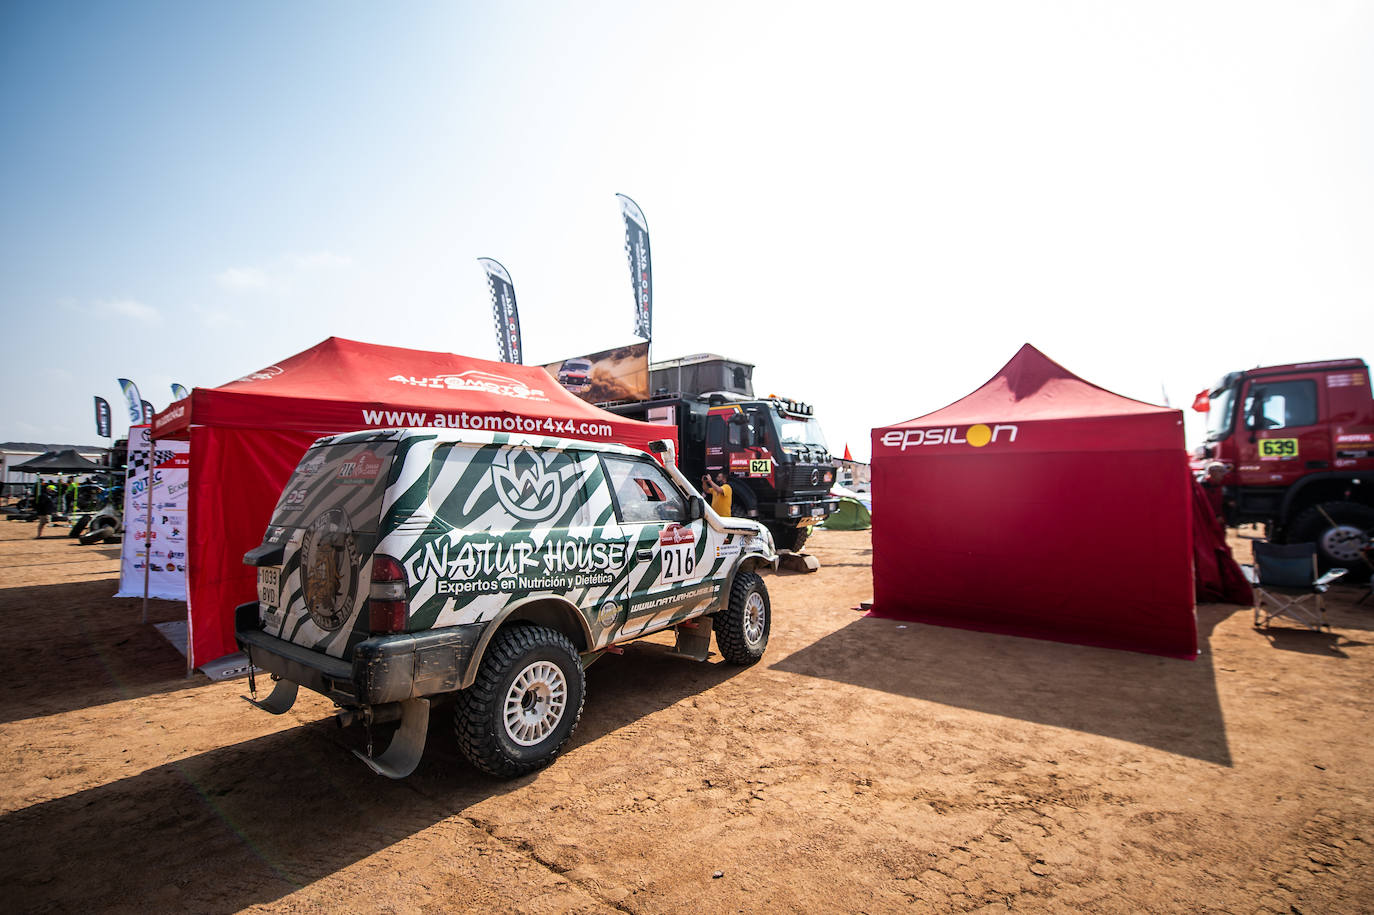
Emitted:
pixel 1275 448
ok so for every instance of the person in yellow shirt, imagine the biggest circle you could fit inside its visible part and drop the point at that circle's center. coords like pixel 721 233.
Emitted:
pixel 721 494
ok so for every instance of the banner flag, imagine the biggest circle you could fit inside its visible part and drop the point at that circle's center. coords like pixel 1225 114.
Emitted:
pixel 179 391
pixel 135 402
pixel 157 473
pixel 503 311
pixel 102 417
pixel 641 271
pixel 147 412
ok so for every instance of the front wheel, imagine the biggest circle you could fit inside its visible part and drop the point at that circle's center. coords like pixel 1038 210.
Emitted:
pixel 1340 530
pixel 524 704
pixel 742 627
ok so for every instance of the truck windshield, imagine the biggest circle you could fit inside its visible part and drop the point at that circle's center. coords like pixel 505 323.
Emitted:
pixel 1219 413
pixel 795 433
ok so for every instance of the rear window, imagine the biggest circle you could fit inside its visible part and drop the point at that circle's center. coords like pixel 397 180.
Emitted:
pixel 348 478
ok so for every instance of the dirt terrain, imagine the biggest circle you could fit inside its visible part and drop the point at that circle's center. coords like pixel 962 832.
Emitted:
pixel 865 765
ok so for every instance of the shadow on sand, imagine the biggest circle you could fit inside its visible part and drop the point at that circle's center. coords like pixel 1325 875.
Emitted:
pixel 75 646
pixel 1168 704
pixel 260 819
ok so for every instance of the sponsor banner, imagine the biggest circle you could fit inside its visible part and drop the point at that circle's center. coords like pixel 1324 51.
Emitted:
pixel 613 374
pixel 486 422
pixel 504 312
pixel 102 417
pixel 641 271
pixel 135 402
pixel 157 476
pixel 179 391
pixel 978 435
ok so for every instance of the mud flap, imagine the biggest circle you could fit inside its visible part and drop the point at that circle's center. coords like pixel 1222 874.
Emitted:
pixel 282 698
pixel 402 756
pixel 693 640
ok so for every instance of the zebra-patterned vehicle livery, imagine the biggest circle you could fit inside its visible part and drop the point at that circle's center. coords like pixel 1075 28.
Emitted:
pixel 405 566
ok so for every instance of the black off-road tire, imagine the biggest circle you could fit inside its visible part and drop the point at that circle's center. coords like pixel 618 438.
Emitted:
pixel 1336 548
pixel 96 534
pixel 742 627
pixel 78 526
pixel 524 668
pixel 788 537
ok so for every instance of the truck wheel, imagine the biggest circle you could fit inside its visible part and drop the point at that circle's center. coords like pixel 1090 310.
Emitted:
pixel 1338 546
pixel 742 627
pixel 524 704
pixel 791 538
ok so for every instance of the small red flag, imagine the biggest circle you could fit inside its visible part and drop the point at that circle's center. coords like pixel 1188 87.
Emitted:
pixel 847 455
pixel 1202 403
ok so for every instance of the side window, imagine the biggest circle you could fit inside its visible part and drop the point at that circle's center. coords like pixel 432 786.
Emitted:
pixel 642 491
pixel 1281 404
pixel 737 435
pixel 715 431
pixel 535 487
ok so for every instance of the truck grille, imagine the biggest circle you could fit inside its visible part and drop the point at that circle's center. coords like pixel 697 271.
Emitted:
pixel 800 479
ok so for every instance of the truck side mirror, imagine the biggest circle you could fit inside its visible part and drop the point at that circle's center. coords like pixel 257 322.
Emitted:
pixel 696 508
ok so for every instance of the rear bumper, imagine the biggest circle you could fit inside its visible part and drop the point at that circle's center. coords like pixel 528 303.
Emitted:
pixel 385 668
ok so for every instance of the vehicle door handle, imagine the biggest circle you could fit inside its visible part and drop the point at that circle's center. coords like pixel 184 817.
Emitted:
pixel 644 555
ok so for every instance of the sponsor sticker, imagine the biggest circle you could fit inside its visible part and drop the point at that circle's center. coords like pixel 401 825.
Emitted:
pixel 362 469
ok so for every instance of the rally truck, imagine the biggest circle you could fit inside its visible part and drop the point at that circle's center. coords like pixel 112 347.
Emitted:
pixel 1297 445
pixel 405 568
pixel 772 445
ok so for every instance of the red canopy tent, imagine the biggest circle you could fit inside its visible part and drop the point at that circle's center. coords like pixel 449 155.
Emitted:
pixel 247 436
pixel 1039 505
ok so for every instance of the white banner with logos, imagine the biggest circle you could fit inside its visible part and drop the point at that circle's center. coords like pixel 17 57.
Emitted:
pixel 158 477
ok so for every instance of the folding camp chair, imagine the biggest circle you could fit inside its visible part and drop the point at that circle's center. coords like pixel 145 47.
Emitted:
pixel 1285 578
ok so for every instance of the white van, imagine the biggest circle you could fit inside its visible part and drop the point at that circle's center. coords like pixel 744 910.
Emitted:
pixel 404 566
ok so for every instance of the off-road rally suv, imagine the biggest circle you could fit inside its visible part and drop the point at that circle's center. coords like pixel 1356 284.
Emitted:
pixel 403 567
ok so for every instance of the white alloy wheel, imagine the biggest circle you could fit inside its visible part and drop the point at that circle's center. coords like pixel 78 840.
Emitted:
pixel 755 617
pixel 535 703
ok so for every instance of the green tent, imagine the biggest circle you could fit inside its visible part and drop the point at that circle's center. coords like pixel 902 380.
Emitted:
pixel 852 516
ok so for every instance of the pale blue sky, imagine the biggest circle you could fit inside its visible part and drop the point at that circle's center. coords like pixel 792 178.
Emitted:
pixel 876 203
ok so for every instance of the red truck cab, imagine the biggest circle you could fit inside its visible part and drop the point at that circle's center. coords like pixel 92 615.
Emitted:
pixel 1297 442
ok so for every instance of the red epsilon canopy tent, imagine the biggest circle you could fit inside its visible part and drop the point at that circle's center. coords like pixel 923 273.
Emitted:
pixel 247 436
pixel 1039 505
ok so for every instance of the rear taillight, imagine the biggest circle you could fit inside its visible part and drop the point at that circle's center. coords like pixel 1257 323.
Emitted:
pixel 387 604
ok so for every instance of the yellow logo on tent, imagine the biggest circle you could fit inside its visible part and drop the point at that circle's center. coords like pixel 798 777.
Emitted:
pixel 978 435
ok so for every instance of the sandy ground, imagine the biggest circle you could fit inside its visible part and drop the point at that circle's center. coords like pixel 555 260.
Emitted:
pixel 864 766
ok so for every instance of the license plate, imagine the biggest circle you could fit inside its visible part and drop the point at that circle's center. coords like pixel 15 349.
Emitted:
pixel 818 513
pixel 268 590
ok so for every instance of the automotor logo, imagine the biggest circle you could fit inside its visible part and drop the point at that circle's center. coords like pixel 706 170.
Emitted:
pixel 271 371
pixel 474 380
pixel 979 435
